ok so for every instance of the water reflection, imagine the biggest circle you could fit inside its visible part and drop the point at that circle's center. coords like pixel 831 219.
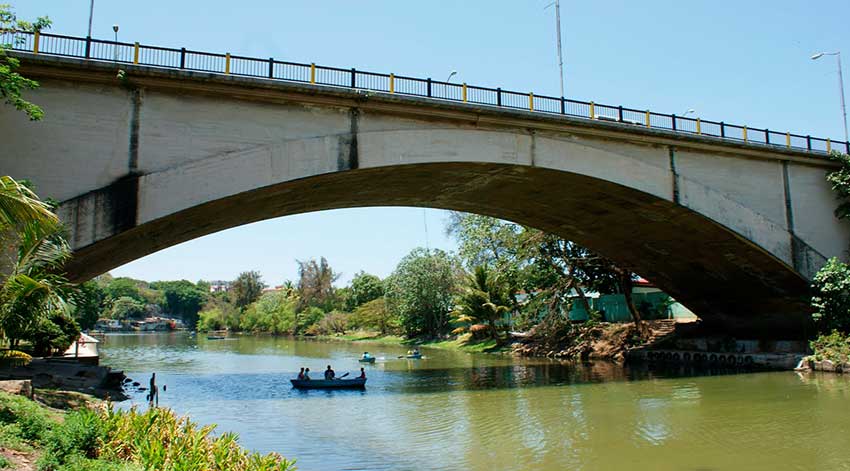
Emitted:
pixel 490 412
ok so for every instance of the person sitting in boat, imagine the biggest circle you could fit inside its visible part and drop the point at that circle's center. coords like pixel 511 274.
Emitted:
pixel 301 374
pixel 306 374
pixel 366 355
pixel 329 373
pixel 362 373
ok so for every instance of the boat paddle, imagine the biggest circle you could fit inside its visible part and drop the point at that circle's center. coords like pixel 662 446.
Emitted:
pixel 343 376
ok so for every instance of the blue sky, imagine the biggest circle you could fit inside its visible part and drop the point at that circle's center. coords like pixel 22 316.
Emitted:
pixel 744 62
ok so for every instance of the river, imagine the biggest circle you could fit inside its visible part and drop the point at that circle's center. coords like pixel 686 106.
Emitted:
pixel 459 411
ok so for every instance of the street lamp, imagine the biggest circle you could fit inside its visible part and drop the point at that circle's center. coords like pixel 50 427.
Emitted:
pixel 454 72
pixel 115 47
pixel 837 55
pixel 690 111
pixel 91 13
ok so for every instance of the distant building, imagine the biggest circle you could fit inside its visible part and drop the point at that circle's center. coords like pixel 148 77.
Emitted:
pixel 220 286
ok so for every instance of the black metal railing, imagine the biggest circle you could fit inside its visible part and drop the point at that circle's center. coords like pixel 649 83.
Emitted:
pixel 135 53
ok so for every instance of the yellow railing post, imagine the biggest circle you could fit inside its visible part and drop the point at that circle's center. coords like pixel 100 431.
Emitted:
pixel 699 128
pixel 828 146
pixel 392 83
pixel 35 40
pixel 592 111
pixel 136 53
pixel 647 119
pixel 530 102
pixel 463 92
pixel 313 73
pixel 788 139
pixel 227 63
pixel 745 134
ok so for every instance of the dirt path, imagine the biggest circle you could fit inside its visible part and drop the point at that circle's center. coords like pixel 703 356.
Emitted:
pixel 21 460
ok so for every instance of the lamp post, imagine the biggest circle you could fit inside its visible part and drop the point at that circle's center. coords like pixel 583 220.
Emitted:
pixel 454 72
pixel 690 111
pixel 115 47
pixel 837 55
pixel 91 13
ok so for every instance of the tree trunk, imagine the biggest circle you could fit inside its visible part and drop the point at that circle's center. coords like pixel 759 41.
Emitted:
pixel 627 285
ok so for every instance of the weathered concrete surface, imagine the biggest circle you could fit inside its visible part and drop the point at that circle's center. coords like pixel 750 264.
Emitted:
pixel 733 231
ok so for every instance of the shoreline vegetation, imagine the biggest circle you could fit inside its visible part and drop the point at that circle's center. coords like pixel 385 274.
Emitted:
pixel 71 432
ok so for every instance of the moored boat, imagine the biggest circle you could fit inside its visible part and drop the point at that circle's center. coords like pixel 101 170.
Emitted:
pixel 356 383
pixel 216 337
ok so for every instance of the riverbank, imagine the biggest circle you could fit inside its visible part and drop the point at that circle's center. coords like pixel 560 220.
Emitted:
pixel 86 434
pixel 461 343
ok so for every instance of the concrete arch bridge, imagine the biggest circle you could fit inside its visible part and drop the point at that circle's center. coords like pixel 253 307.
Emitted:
pixel 733 230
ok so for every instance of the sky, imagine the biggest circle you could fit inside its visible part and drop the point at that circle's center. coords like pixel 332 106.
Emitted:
pixel 744 62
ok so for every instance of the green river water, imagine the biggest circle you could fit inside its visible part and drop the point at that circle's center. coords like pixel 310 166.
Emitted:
pixel 459 411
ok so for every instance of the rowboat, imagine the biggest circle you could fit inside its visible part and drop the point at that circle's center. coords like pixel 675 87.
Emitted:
pixel 356 383
pixel 414 356
pixel 367 360
pixel 215 337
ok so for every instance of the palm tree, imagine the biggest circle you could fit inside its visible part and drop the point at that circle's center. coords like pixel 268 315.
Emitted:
pixel 34 289
pixel 484 299
pixel 20 209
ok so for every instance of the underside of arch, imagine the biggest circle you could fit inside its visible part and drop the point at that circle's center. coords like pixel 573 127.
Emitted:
pixel 728 281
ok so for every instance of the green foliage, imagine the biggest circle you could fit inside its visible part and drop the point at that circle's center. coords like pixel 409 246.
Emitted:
pixel 834 347
pixel 182 298
pixel 420 291
pixel 12 84
pixel 273 313
pixel 364 288
pixel 484 299
pixel 332 323
pixel 832 296
pixel 23 418
pixel 34 291
pixel 124 288
pixel 158 439
pixel 126 307
pixel 79 436
pixel 840 181
pixel 246 289
pixel 5 463
pixel 375 316
pixel 315 284
pixel 53 334
pixel 307 318
pixel 89 302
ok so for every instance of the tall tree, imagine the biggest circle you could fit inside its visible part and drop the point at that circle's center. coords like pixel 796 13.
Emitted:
pixel 89 302
pixel 181 298
pixel 12 84
pixel 246 289
pixel 420 291
pixel 315 284
pixel 364 288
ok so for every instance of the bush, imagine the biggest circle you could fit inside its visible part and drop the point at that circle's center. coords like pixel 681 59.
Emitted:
pixel 80 434
pixel 333 323
pixel 158 439
pixel 832 296
pixel 834 347
pixel 30 420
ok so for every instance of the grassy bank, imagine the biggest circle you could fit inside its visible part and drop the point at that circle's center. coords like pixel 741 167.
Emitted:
pixel 36 437
pixel 461 343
